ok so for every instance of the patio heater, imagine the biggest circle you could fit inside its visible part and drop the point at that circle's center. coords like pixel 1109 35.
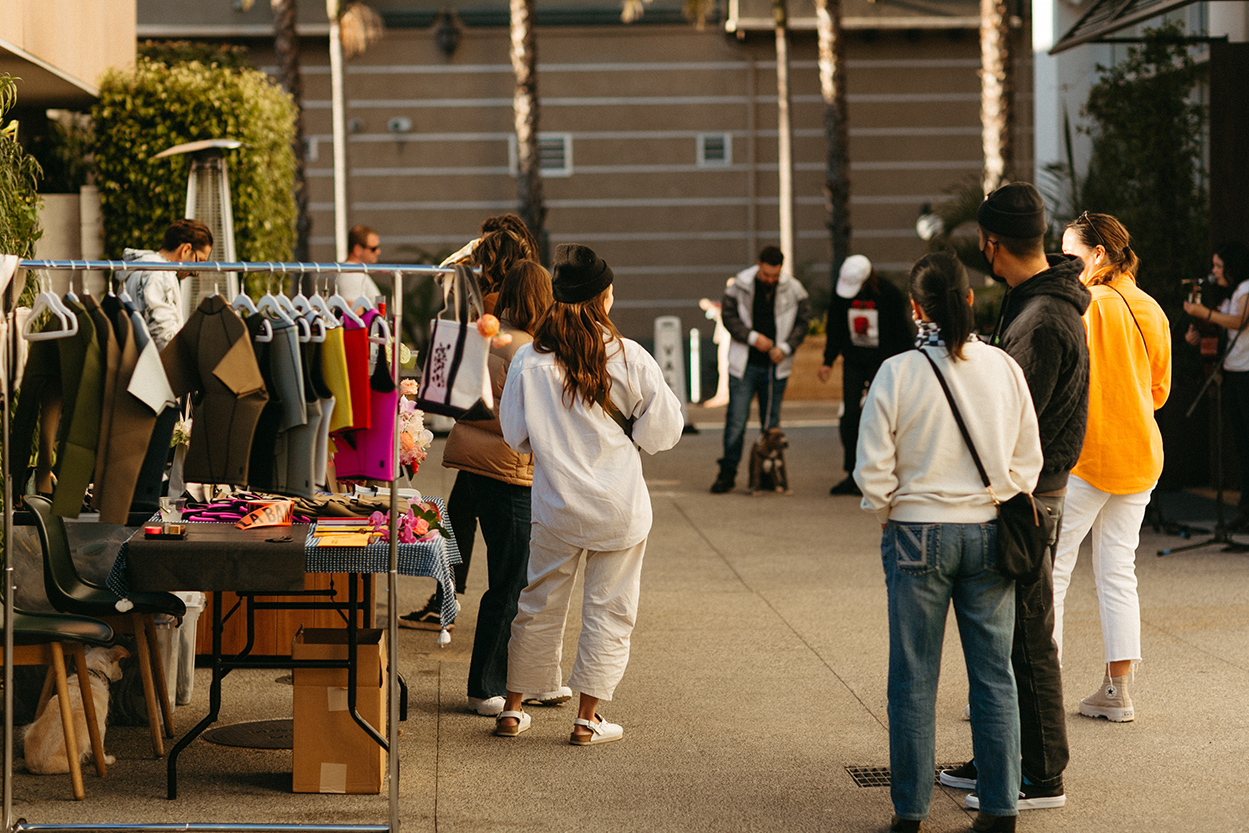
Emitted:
pixel 208 200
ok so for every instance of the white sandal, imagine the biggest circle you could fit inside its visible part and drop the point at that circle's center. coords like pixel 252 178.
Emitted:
pixel 600 732
pixel 524 721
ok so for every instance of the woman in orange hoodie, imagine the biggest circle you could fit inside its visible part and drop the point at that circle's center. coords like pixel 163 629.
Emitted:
pixel 1129 378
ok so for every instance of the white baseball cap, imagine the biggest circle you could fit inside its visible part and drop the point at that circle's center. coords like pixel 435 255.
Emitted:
pixel 854 272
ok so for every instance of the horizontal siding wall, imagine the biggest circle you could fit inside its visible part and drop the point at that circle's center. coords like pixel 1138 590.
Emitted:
pixel 634 102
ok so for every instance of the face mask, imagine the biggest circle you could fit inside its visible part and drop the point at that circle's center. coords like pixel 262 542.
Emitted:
pixel 987 268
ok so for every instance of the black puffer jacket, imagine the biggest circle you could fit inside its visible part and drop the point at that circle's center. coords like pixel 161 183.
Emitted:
pixel 1043 330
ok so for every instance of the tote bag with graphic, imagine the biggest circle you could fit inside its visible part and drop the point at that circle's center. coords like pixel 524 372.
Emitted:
pixel 455 381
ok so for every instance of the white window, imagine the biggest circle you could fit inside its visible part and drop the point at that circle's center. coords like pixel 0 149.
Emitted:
pixel 715 150
pixel 554 154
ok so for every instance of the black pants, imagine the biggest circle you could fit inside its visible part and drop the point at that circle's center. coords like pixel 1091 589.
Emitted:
pixel 1034 656
pixel 462 509
pixel 855 377
pixel 1236 403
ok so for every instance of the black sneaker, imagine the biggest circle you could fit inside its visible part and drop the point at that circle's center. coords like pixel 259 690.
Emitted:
pixel 960 777
pixel 846 487
pixel 986 823
pixel 724 482
pixel 1031 797
pixel 428 618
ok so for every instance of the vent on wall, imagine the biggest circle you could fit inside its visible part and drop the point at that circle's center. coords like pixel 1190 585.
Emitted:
pixel 715 150
pixel 554 154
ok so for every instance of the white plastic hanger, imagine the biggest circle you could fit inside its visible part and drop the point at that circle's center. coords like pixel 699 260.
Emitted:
pixel 338 303
pixel 47 301
pixel 316 325
pixel 384 338
pixel 318 303
pixel 245 303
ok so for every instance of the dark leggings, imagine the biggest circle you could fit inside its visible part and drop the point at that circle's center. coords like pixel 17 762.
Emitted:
pixel 1236 401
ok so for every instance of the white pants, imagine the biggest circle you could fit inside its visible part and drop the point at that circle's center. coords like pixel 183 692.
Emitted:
pixel 608 612
pixel 1115 522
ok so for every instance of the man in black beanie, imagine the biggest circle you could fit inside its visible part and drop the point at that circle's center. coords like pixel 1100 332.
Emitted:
pixel 1042 328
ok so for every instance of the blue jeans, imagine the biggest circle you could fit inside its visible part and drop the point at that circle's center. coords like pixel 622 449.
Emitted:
pixel 927 566
pixel 755 383
pixel 504 518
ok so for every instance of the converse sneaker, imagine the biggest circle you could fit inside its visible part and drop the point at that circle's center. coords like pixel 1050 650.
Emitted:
pixel 428 618
pixel 960 777
pixel 1111 701
pixel 1031 797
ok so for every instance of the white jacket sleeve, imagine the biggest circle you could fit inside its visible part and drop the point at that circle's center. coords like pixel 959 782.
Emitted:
pixel 512 411
pixel 877 453
pixel 658 420
pixel 1026 460
pixel 160 303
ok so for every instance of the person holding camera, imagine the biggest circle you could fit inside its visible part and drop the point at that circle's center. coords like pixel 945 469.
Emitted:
pixel 1230 269
pixel 1129 378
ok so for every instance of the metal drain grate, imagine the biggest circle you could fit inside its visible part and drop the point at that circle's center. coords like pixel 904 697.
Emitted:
pixel 879 776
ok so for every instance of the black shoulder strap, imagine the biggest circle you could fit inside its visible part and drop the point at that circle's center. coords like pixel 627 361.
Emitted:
pixel 625 423
pixel 958 417
pixel 1134 321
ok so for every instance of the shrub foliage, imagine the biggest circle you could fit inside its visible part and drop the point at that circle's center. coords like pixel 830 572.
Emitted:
pixel 155 106
pixel 19 178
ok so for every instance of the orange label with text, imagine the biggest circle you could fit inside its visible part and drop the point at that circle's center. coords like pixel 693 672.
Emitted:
pixel 277 513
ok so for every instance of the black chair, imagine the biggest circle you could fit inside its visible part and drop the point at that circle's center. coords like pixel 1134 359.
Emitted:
pixel 43 639
pixel 70 593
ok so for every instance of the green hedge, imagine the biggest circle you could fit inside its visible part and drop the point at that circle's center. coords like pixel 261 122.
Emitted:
pixel 19 178
pixel 155 106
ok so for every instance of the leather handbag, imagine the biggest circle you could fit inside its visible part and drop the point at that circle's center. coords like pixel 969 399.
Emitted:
pixel 455 381
pixel 1024 524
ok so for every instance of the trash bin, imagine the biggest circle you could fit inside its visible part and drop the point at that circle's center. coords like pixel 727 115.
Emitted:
pixel 177 647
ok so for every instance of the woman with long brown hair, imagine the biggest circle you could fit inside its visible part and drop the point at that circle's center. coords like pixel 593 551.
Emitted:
pixel 1109 488
pixel 582 399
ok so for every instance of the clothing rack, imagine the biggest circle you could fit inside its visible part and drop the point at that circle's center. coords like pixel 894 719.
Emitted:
pixel 398 270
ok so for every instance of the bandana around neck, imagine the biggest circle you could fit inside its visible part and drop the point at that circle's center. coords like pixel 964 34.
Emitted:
pixel 929 335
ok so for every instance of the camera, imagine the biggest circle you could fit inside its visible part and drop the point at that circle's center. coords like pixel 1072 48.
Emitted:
pixel 1194 290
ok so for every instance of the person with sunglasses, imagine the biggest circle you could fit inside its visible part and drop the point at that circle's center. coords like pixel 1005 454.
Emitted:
pixel 1041 327
pixel 157 293
pixel 363 247
pixel 1129 378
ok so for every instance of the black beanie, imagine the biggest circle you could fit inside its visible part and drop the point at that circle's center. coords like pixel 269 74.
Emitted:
pixel 578 274
pixel 1014 210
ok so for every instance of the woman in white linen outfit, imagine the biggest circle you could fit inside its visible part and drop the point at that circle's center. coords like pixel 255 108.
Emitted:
pixel 589 496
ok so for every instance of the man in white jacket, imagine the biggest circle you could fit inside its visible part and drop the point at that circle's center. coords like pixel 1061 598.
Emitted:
pixel 765 311
pixel 157 293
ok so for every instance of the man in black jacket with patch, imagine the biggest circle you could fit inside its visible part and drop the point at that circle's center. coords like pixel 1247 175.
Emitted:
pixel 1042 328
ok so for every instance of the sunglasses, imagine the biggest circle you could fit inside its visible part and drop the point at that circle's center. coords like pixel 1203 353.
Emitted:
pixel 1086 220
pixel 374 248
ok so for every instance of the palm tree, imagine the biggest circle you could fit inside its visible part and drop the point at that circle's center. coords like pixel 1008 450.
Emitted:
pixel 836 134
pixel 532 203
pixel 995 92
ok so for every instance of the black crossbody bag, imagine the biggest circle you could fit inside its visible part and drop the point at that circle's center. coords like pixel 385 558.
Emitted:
pixel 1024 524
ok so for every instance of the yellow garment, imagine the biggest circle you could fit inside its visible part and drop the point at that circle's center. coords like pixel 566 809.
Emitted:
pixel 1128 381
pixel 334 369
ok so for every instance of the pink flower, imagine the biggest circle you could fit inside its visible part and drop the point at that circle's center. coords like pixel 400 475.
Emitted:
pixel 379 521
pixel 407 387
pixel 420 527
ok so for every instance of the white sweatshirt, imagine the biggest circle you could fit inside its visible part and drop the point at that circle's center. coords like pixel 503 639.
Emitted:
pixel 588 488
pixel 913 464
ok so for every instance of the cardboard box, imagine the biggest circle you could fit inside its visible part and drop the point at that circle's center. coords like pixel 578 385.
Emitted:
pixel 332 753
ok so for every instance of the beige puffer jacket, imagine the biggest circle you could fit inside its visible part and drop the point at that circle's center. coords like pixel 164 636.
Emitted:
pixel 477 446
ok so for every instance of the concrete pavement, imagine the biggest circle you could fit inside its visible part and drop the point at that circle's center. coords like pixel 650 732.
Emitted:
pixel 757 677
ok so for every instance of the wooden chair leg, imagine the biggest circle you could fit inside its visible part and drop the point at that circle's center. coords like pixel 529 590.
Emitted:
pixel 49 687
pixel 163 696
pixel 149 689
pixel 67 720
pixel 88 707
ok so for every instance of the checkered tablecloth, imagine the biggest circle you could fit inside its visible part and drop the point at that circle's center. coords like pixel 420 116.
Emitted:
pixel 432 559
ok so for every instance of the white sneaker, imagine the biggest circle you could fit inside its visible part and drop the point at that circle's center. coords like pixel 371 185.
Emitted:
pixel 550 698
pixel 490 707
pixel 600 732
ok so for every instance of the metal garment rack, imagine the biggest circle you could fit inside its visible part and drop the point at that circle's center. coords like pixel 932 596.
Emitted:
pixel 9 825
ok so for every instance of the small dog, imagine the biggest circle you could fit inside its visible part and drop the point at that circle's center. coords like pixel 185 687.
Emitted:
pixel 767 463
pixel 44 740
